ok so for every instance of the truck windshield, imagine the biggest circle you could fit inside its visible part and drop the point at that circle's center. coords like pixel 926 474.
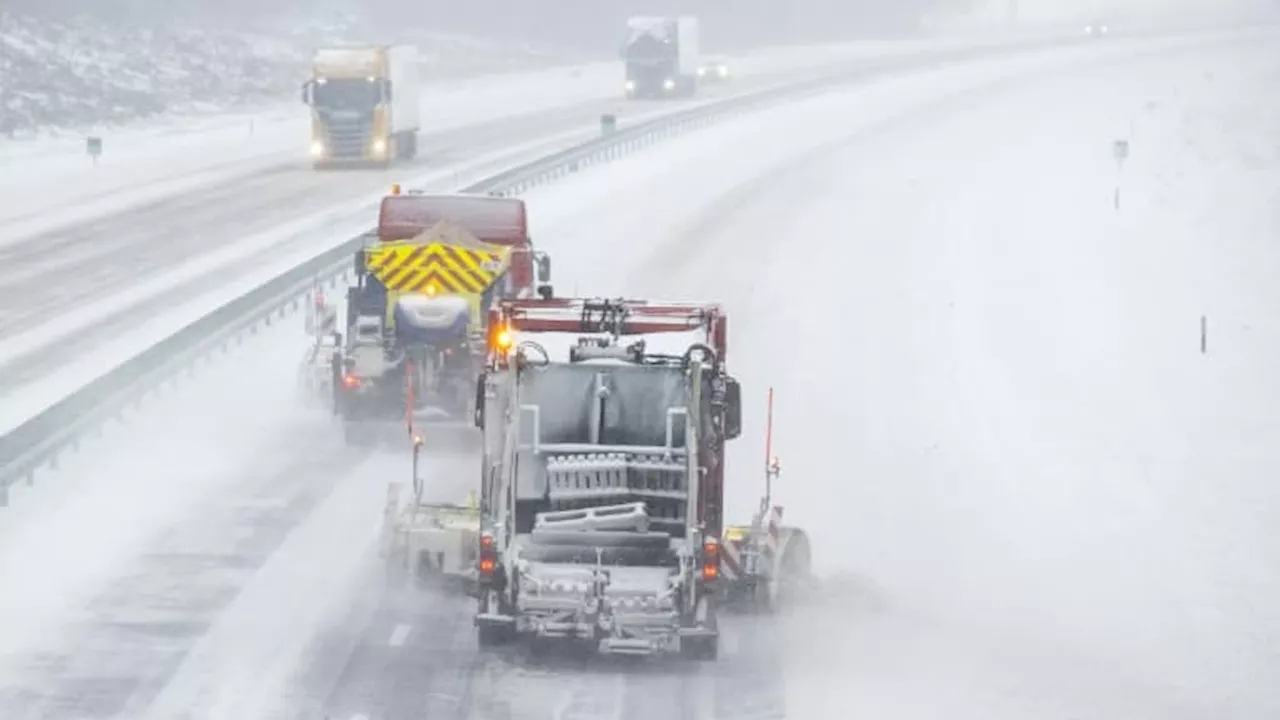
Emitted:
pixel 346 94
pixel 647 49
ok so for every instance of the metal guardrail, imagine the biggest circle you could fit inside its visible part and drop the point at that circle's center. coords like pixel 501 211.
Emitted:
pixel 39 442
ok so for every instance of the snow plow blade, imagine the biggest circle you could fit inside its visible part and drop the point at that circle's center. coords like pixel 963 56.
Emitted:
pixel 430 545
pixel 757 578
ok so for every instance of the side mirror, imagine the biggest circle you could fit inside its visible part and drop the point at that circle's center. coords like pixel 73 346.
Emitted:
pixel 385 87
pixel 733 409
pixel 309 92
pixel 546 292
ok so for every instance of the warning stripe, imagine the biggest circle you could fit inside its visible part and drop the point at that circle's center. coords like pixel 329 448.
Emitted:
pixel 468 263
pixel 436 267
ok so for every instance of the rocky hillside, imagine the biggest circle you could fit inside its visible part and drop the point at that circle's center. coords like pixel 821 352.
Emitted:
pixel 82 72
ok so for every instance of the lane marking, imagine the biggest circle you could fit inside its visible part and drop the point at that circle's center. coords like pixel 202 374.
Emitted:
pixel 399 635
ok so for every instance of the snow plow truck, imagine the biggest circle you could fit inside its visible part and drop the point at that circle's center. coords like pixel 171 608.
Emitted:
pixel 603 481
pixel 415 335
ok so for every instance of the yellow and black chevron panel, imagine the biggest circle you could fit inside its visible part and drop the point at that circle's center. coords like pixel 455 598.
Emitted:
pixel 436 267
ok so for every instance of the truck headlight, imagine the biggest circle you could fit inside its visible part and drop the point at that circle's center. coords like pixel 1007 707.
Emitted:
pixel 723 71
pixel 379 146
pixel 668 84
pixel 631 85
pixel 317 149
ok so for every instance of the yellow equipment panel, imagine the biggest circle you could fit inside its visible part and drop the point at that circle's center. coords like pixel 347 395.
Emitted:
pixel 436 268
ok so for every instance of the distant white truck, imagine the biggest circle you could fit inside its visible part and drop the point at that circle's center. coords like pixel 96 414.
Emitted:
pixel 364 105
pixel 661 56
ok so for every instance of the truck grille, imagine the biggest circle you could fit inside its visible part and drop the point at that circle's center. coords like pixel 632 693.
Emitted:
pixel 348 137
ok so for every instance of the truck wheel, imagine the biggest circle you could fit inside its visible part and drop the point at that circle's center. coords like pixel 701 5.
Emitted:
pixel 491 636
pixel 700 648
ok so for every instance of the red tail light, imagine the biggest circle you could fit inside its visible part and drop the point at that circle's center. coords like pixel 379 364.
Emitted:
pixel 488 557
pixel 710 560
pixel 350 381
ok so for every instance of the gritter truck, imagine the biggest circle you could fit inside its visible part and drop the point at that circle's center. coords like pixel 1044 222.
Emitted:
pixel 661 57
pixel 364 105
pixel 415 338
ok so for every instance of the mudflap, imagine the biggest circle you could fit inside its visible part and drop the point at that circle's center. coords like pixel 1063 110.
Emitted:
pixel 495 631
pixel 701 643
pixel 495 624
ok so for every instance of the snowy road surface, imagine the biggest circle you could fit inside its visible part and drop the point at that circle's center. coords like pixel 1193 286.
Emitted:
pixel 1030 494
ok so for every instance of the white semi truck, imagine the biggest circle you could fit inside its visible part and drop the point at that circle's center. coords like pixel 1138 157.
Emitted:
pixel 364 105
pixel 661 56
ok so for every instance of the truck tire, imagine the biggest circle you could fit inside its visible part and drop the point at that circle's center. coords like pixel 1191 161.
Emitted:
pixel 700 649
pixel 491 636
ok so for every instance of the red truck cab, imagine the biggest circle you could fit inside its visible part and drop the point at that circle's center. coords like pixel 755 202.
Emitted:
pixel 492 219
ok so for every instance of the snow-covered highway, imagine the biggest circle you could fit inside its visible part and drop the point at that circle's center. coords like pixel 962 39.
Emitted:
pixel 100 264
pixel 1030 493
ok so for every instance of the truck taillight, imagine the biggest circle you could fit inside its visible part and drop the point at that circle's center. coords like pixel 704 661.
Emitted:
pixel 710 560
pixel 488 556
pixel 350 381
